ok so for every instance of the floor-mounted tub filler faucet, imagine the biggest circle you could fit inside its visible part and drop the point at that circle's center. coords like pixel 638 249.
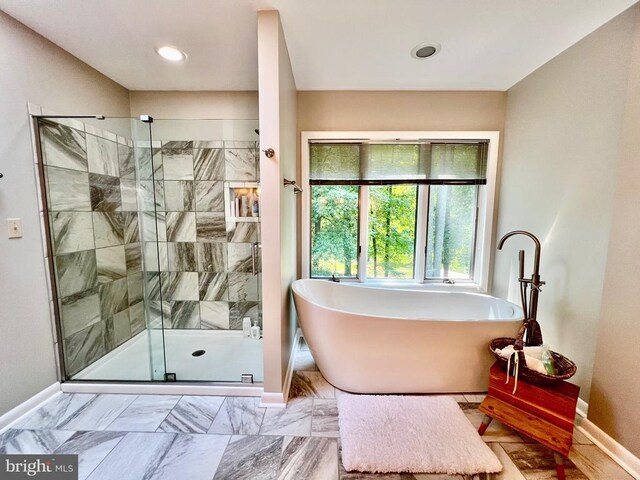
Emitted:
pixel 530 308
pixel 334 279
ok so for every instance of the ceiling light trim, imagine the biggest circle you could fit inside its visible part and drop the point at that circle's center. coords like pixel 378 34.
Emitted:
pixel 171 53
pixel 435 46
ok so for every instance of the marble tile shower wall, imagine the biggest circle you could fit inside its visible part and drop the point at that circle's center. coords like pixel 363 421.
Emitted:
pixel 90 176
pixel 111 206
pixel 203 260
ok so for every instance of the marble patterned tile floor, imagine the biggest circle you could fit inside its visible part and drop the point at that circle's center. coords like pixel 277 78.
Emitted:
pixel 133 437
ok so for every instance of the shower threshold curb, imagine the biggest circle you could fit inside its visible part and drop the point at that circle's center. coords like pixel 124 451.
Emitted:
pixel 178 388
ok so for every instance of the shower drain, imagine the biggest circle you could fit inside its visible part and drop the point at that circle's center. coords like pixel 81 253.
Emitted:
pixel 198 353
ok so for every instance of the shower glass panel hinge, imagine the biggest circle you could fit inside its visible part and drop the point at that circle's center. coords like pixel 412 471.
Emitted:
pixel 246 378
pixel 170 377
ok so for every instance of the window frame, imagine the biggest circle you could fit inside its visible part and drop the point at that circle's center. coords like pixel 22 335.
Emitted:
pixel 483 252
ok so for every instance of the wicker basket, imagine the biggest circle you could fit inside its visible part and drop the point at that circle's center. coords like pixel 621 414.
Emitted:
pixel 565 368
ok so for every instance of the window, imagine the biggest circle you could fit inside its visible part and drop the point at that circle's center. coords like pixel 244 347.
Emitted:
pixel 398 210
pixel 392 231
pixel 451 232
pixel 334 226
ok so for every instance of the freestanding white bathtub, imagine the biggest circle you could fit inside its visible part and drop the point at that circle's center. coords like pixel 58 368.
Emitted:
pixel 380 340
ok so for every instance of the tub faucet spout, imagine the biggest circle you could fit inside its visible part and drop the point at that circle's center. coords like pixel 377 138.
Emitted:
pixel 536 259
pixel 334 279
pixel 530 310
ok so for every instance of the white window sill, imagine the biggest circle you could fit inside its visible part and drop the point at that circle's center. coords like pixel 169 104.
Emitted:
pixel 411 285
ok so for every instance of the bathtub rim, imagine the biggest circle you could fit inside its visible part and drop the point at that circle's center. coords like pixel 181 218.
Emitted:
pixel 296 291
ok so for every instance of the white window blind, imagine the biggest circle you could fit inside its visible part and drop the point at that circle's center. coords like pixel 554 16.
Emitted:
pixel 376 163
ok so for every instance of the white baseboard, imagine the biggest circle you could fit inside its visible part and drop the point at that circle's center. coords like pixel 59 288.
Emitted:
pixel 279 400
pixel 606 443
pixel 582 408
pixel 292 361
pixel 28 406
pixel 273 400
pixel 163 389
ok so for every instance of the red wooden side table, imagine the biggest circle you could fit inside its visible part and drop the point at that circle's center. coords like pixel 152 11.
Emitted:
pixel 545 414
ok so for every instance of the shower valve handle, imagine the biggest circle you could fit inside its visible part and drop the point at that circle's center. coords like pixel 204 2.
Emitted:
pixel 269 152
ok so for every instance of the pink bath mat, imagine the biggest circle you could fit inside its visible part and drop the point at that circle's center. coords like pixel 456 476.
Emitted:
pixel 415 434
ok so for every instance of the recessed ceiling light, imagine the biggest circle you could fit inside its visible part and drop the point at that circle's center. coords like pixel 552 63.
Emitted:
pixel 172 54
pixel 425 50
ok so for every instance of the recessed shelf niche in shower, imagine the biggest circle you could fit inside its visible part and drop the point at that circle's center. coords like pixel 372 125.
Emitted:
pixel 242 201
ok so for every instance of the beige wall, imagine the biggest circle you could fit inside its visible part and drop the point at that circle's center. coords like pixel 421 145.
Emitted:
pixel 615 388
pixel 558 175
pixel 277 131
pixel 288 215
pixel 401 110
pixel 211 115
pixel 33 70
pixel 169 104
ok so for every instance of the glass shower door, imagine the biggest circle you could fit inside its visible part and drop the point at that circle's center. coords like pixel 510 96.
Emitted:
pixel 152 229
pixel 207 215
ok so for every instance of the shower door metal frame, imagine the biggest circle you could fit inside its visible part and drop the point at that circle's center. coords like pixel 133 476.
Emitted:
pixel 61 372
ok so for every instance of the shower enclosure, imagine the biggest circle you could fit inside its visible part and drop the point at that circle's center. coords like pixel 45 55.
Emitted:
pixel 153 229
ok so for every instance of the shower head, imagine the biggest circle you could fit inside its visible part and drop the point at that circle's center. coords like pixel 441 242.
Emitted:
pixel 257 131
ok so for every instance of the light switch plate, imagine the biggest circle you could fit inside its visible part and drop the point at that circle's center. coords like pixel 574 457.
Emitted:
pixel 14 227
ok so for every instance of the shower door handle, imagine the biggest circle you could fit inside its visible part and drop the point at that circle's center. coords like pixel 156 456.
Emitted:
pixel 254 250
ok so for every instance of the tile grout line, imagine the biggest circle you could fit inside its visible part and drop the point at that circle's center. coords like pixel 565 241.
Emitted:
pixel 118 416
pixel 104 458
pixel 214 417
pixel 59 425
pixel 264 413
pixel 166 451
pixel 222 456
pixel 167 415
pixel 313 409
pixel 338 459
pixel 226 447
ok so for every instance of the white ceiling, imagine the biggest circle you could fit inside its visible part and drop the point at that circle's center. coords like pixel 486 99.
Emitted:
pixel 334 44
